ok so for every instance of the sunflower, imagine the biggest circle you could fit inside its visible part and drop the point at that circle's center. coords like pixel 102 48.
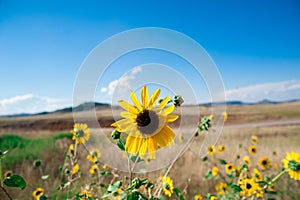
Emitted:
pixel 213 198
pixel 85 194
pixel 81 133
pixel 71 149
pixel 256 175
pixel 214 171
pixel 211 149
pixel 197 197
pixel 229 168
pixel 250 187
pixel 271 188
pixel 8 174
pixel 225 116
pixel 254 139
pixel 94 155
pixel 247 160
pixel 252 149
pixel 75 169
pixel 37 193
pixel 93 169
pixel 292 164
pixel 105 167
pixel 222 188
pixel 168 186
pixel 146 123
pixel 221 148
pixel 264 163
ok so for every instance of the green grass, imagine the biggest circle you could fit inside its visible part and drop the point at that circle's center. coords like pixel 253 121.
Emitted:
pixel 20 149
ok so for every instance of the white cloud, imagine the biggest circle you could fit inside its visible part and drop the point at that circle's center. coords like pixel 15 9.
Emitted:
pixel 121 83
pixel 278 91
pixel 30 103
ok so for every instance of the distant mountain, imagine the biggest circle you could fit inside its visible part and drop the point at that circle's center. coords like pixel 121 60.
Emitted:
pixel 264 101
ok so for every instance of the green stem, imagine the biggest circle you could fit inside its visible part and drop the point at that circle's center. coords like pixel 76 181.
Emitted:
pixel 7 194
pixel 277 177
pixel 1 176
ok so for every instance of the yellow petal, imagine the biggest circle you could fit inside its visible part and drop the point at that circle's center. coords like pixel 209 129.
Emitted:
pixel 135 101
pixel 152 147
pixel 124 124
pixel 128 107
pixel 164 102
pixel 154 98
pixel 144 96
pixel 128 115
pixel 168 110
pixel 172 118
pixel 143 147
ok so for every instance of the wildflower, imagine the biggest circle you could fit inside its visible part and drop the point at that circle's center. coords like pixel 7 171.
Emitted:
pixel 81 133
pixel 254 139
pixel 292 164
pixel 222 188
pixel 105 167
pixel 264 163
pixel 225 116
pixel 93 169
pixel 213 198
pixel 250 187
pixel 252 149
pixel 85 194
pixel 256 175
pixel 211 149
pixel 94 155
pixel 272 188
pixel 214 171
pixel 146 123
pixel 247 160
pixel 197 197
pixel 37 193
pixel 8 174
pixel 221 148
pixel 229 168
pixel 168 186
pixel 75 169
pixel 71 149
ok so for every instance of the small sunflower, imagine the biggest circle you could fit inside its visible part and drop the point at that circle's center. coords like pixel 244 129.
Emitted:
pixel 85 194
pixel 168 186
pixel 214 171
pixel 221 148
pixel 252 149
pixel 197 197
pixel 146 123
pixel 254 139
pixel 211 149
pixel 247 160
pixel 229 168
pixel 8 174
pixel 264 163
pixel 292 164
pixel 213 198
pixel 256 175
pixel 71 149
pixel 250 187
pixel 225 116
pixel 271 188
pixel 75 169
pixel 94 155
pixel 37 193
pixel 93 169
pixel 222 188
pixel 81 133
pixel 105 167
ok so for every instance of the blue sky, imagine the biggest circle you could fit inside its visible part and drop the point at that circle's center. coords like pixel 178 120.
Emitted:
pixel 255 45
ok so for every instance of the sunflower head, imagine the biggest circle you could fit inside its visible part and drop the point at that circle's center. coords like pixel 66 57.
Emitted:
pixel 75 169
pixel 292 164
pixel 94 155
pixel 71 149
pixel 221 148
pixel 8 174
pixel 250 187
pixel 247 160
pixel 214 171
pixel 252 149
pixel 85 194
pixel 197 197
pixel 37 193
pixel 222 188
pixel 254 139
pixel 264 163
pixel 81 133
pixel 168 186
pixel 146 123
pixel 211 149
pixel 256 175
pixel 93 169
pixel 229 168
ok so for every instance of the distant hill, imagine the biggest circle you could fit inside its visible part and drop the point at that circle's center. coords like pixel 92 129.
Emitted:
pixel 241 103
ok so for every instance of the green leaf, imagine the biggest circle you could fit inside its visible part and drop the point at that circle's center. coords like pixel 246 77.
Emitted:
pixel 204 159
pixel 15 180
pixel 136 196
pixel 223 162
pixel 121 144
pixel 114 187
pixel 181 197
pixel 235 187
pixel 177 192
pixel 208 175
pixel 105 173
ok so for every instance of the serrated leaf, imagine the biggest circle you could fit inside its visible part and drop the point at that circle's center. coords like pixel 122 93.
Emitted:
pixel 223 162
pixel 15 180
pixel 121 144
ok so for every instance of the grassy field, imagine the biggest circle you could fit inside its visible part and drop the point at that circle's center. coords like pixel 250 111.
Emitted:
pixel 43 141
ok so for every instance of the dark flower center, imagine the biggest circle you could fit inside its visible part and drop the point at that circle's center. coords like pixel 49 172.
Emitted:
pixel 38 193
pixel 253 150
pixel 248 186
pixel 229 167
pixel 147 121
pixel 79 133
pixel 264 162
